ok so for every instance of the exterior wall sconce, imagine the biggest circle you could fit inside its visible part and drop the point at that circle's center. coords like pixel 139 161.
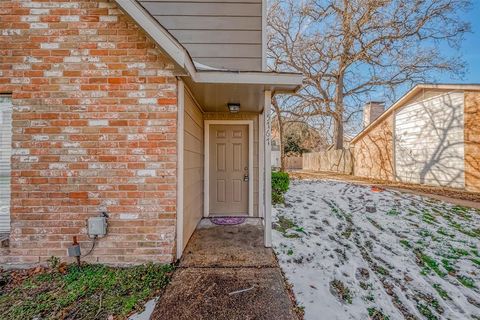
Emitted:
pixel 234 107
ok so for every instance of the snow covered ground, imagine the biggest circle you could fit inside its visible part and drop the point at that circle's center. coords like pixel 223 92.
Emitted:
pixel 353 253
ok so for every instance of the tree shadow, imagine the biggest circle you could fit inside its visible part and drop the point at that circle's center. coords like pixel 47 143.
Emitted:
pixel 429 142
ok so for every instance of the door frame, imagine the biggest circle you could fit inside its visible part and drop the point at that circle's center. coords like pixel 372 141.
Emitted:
pixel 206 181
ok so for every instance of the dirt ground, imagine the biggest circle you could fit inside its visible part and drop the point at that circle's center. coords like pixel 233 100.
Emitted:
pixel 455 196
pixel 227 273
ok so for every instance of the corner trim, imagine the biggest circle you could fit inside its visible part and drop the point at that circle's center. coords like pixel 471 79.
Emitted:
pixel 180 165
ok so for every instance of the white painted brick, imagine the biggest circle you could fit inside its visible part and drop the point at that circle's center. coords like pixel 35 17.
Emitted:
pixel 53 73
pixel 147 101
pixel 39 25
pixel 72 59
pixel 28 159
pixel 128 216
pixel 21 66
pixel 70 18
pixel 58 166
pixel 30 19
pixel 136 137
pixel 39 11
pixel 40 137
pixel 136 94
pixel 49 45
pixel 33 60
pixel 106 45
pixel 21 152
pixel 20 80
pixel 108 18
pixel 101 122
pixel 136 65
pixel 146 173
pixel 11 32
pixel 39 123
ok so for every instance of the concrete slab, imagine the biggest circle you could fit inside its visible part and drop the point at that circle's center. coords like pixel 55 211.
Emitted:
pixel 225 293
pixel 228 246
pixel 226 273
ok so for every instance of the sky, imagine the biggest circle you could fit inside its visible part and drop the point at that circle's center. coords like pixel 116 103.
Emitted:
pixel 470 49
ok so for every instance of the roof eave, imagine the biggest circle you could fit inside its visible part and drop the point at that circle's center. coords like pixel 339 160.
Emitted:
pixel 183 61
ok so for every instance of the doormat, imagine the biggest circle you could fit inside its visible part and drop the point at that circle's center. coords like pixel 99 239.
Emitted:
pixel 228 221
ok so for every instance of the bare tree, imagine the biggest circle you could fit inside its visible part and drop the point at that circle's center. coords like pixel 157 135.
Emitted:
pixel 348 48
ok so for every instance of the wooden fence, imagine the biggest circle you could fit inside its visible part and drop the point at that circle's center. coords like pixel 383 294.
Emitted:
pixel 293 162
pixel 340 161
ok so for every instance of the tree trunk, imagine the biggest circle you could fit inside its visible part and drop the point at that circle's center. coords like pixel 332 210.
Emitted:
pixel 338 117
pixel 278 113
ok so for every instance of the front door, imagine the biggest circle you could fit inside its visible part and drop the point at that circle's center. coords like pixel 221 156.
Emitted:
pixel 228 169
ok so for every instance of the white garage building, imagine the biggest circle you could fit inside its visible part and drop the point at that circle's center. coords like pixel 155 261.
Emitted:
pixel 430 136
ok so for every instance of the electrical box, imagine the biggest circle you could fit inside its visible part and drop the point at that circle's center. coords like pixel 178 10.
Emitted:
pixel 74 251
pixel 97 226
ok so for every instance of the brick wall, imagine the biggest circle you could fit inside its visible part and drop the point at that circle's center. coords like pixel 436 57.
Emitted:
pixel 94 130
pixel 373 153
pixel 472 141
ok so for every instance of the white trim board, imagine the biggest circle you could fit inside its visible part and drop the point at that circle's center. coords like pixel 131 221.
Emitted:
pixel 180 165
pixel 206 185
pixel 268 169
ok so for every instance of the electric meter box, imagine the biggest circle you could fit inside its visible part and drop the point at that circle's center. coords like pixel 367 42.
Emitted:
pixel 97 226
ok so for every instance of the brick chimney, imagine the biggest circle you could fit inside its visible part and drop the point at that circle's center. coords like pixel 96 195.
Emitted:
pixel 371 111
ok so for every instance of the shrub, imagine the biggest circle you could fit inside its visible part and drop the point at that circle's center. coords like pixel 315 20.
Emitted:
pixel 280 184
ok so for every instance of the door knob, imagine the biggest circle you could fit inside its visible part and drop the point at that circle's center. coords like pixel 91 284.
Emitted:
pixel 245 177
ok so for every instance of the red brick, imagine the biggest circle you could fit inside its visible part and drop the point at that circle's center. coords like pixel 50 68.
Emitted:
pixel 72 167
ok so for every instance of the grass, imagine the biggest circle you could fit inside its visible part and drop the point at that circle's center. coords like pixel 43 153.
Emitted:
pixel 466 281
pixel 430 262
pixel 284 225
pixel 441 292
pixel 427 217
pixel 426 312
pixel 89 292
pixel 341 291
pixel 375 314
pixel 405 243
pixel 393 212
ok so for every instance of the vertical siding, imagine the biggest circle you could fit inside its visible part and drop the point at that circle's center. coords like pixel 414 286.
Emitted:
pixel 217 33
pixel 5 162
pixel 472 141
pixel 429 146
pixel 193 168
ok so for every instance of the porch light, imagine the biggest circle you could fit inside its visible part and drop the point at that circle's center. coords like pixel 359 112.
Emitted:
pixel 234 107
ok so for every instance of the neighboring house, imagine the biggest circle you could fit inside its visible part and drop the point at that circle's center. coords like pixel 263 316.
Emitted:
pixel 123 107
pixel 430 136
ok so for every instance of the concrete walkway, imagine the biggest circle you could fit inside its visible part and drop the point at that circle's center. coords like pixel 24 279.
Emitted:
pixel 226 273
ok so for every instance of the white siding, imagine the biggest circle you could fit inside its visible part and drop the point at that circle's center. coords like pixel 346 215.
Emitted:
pixel 5 166
pixel 429 141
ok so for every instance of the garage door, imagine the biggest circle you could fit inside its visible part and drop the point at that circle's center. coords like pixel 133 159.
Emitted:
pixel 5 155
pixel 429 146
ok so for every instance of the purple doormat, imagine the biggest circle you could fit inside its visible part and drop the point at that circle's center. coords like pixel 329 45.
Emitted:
pixel 228 221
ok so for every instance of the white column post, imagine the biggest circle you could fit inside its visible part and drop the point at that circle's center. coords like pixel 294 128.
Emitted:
pixel 180 145
pixel 261 165
pixel 268 169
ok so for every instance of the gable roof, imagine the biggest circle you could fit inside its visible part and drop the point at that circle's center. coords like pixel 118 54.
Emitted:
pixel 183 61
pixel 410 94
